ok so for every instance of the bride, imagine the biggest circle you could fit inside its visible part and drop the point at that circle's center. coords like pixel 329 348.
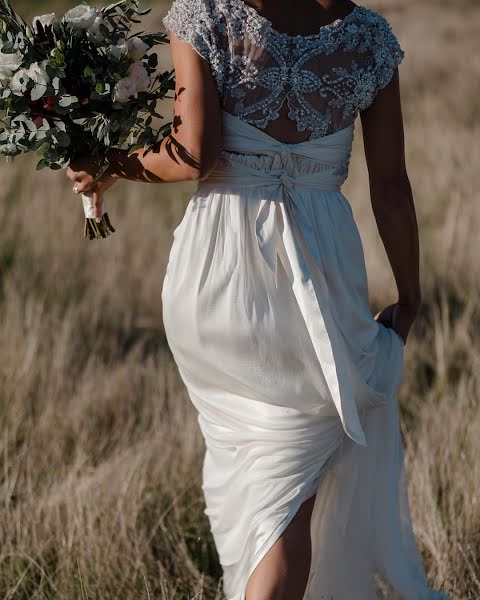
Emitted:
pixel 265 298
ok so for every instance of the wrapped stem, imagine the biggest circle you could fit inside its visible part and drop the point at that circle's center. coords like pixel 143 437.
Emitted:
pixel 92 229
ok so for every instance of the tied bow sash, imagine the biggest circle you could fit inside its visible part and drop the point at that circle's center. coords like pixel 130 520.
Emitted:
pixel 281 233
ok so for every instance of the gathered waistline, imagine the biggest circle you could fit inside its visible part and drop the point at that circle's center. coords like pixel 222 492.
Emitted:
pixel 264 179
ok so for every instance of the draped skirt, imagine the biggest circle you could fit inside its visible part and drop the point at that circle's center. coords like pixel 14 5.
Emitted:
pixel 265 306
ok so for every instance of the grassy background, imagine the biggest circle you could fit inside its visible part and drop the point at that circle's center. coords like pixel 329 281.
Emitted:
pixel 100 449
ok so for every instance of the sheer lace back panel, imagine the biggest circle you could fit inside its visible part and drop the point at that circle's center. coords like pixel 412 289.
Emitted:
pixel 322 80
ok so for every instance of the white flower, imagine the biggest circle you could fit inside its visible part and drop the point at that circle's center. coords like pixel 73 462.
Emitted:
pixel 139 74
pixel 124 89
pixel 137 80
pixel 119 49
pixel 81 16
pixel 137 48
pixel 94 29
pixel 36 73
pixel 46 20
pixel 9 150
pixel 18 83
pixel 9 63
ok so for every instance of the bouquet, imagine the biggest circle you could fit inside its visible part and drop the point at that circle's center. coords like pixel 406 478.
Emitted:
pixel 79 85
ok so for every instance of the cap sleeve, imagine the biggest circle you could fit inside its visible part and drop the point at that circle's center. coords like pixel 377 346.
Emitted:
pixel 388 53
pixel 190 21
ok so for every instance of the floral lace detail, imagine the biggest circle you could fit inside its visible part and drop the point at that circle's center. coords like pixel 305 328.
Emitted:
pixel 325 78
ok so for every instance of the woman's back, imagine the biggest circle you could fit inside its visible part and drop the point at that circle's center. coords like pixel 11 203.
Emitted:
pixel 295 87
pixel 265 297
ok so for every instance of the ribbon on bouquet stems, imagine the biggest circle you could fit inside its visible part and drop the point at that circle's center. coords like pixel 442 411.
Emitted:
pixel 93 229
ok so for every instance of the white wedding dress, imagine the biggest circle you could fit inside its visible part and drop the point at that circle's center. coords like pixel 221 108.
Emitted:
pixel 265 306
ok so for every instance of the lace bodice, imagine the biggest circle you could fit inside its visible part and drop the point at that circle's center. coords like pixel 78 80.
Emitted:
pixel 325 78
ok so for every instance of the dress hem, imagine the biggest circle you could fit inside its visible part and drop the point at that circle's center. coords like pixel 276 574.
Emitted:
pixel 281 527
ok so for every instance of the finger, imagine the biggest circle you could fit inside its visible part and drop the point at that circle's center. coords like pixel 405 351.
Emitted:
pixel 97 206
pixel 85 184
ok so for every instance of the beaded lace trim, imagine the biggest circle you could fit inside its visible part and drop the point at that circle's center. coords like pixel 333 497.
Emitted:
pixel 325 78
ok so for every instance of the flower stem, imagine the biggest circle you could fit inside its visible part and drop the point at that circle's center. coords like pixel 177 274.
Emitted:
pixel 94 230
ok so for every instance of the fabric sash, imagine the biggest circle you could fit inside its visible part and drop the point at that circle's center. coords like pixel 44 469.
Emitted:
pixel 279 235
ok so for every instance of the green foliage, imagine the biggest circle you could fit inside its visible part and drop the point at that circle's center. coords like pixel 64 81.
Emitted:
pixel 61 107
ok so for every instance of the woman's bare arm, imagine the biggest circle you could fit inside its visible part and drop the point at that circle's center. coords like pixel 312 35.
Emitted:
pixel 391 196
pixel 190 152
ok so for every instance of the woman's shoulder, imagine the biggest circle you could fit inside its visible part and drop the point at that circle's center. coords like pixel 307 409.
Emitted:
pixel 198 10
pixel 206 24
pixel 376 20
pixel 372 30
pixel 194 21
pixel 204 11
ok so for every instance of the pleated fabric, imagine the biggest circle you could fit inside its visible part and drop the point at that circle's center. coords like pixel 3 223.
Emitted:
pixel 265 307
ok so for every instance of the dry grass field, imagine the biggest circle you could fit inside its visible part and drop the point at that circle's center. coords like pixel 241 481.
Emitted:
pixel 100 450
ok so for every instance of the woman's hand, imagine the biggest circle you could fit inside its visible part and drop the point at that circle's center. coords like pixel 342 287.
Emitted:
pixel 82 172
pixel 399 317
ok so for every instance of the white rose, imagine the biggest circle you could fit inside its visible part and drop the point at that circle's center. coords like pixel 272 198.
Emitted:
pixel 137 48
pixel 124 89
pixel 119 49
pixel 18 83
pixel 9 63
pixel 46 20
pixel 140 76
pixel 36 73
pixel 94 29
pixel 81 17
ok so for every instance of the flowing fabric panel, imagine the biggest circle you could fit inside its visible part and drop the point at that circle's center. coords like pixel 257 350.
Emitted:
pixel 265 304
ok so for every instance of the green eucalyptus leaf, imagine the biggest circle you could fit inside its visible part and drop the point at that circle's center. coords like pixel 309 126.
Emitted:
pixel 43 148
pixel 30 124
pixel 153 61
pixel 37 92
pixel 42 164
pixel 61 110
pixel 63 138
pixel 67 101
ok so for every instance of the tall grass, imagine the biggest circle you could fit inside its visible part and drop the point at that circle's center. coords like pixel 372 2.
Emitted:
pixel 100 449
